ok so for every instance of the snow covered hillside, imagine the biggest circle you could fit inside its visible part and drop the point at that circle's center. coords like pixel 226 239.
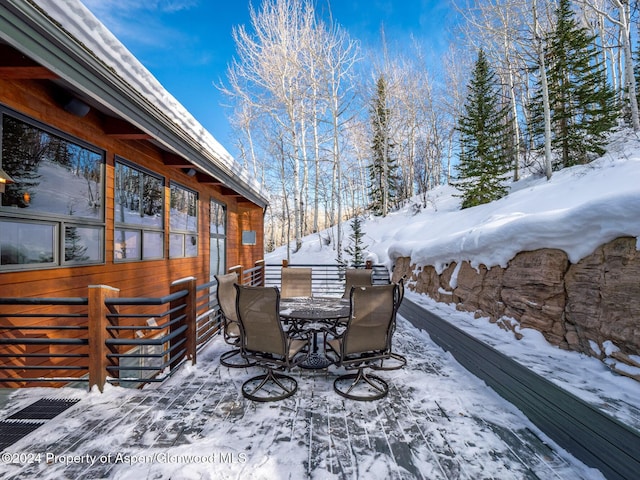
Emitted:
pixel 579 209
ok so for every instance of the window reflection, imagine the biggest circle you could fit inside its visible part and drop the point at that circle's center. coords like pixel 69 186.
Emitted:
pixel 24 243
pixel 183 209
pixel 41 163
pixel 54 212
pixel 152 244
pixel 218 217
pixel 127 245
pixel 183 241
pixel 139 210
pixel 83 244
pixel 217 239
pixel 139 198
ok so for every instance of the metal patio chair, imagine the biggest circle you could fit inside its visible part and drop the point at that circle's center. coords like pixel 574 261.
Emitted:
pixel 366 341
pixel 356 277
pixel 395 360
pixel 264 341
pixel 296 282
pixel 226 295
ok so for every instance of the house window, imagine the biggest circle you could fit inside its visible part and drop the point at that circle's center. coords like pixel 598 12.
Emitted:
pixel 53 214
pixel 28 243
pixel 217 238
pixel 139 213
pixel 183 219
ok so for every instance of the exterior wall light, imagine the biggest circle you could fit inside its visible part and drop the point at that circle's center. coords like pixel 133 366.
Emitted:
pixel 77 107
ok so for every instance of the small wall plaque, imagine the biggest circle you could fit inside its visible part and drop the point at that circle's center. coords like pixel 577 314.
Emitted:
pixel 248 237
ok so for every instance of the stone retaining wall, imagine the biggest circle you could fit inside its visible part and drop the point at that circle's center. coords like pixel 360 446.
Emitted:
pixel 592 306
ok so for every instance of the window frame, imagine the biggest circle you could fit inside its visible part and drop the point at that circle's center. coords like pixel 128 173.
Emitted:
pixel 218 236
pixel 140 228
pixel 60 221
pixel 184 233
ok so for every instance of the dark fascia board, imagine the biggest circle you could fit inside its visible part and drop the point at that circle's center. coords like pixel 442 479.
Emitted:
pixel 27 28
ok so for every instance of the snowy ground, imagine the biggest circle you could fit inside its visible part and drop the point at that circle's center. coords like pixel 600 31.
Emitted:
pixel 445 421
pixel 579 209
pixel 438 422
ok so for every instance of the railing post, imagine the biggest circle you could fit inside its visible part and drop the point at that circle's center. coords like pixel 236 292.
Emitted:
pixel 285 263
pixel 261 264
pixel 368 265
pixel 238 271
pixel 188 284
pixel 98 333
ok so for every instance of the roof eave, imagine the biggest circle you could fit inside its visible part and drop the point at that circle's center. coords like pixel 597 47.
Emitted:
pixel 28 29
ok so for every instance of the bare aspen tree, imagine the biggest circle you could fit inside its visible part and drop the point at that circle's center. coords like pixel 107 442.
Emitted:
pixel 412 92
pixel 270 61
pixel 493 25
pixel 608 48
pixel 457 65
pixel 359 142
pixel 430 124
pixel 537 35
pixel 317 107
pixel 292 80
pixel 622 21
pixel 340 55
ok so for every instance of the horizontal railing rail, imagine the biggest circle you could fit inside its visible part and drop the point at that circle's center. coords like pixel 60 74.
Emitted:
pixel 37 347
pixel 128 341
pixel 326 279
pixel 208 314
pixel 146 337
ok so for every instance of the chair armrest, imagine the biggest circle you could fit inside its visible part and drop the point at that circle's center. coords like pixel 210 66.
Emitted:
pixel 293 334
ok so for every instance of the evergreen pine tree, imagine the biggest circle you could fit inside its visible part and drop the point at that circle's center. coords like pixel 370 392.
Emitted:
pixel 74 248
pixel 383 168
pixel 484 157
pixel 582 103
pixel 23 148
pixel 356 248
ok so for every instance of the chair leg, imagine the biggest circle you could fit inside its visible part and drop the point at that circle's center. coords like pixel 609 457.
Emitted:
pixel 398 361
pixel 242 363
pixel 284 387
pixel 374 387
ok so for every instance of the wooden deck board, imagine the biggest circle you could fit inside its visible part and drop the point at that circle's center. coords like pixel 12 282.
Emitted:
pixel 413 433
pixel 588 433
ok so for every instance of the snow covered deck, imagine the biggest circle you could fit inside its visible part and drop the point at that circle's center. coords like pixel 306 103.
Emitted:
pixel 438 422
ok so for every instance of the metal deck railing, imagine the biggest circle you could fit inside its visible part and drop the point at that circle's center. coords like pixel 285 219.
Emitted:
pixel 126 341
pixel 326 280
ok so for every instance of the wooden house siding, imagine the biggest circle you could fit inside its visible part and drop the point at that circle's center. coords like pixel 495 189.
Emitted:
pixel 43 65
pixel 147 278
pixel 133 278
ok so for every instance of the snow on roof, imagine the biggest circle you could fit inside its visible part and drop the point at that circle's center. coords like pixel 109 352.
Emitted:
pixel 79 22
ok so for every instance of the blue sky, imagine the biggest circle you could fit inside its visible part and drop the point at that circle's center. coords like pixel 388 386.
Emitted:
pixel 187 44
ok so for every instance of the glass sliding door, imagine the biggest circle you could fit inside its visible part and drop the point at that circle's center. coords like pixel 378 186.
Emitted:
pixel 217 239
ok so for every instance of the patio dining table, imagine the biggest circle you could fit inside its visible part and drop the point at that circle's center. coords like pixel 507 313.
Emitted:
pixel 312 314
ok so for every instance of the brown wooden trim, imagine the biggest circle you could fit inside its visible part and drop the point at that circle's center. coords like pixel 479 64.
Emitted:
pixel 229 193
pixel 175 161
pixel 98 333
pixel 20 73
pixel 205 179
pixel 15 66
pixel 117 128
